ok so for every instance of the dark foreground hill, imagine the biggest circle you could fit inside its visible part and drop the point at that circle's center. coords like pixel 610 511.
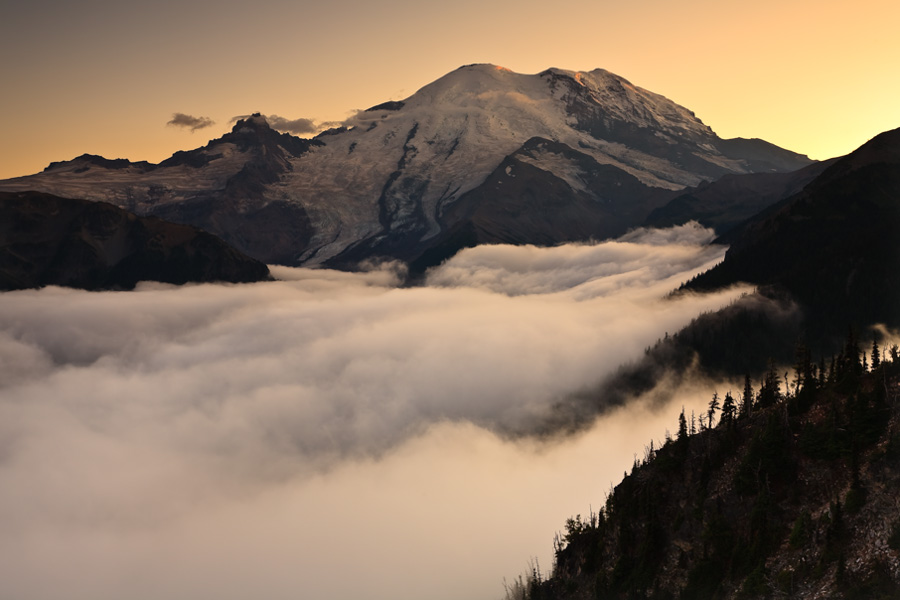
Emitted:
pixel 794 492
pixel 46 240
pixel 834 248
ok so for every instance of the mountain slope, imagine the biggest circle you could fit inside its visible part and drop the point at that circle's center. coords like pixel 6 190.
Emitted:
pixel 419 158
pixel 789 495
pixel 387 183
pixel 833 247
pixel 732 199
pixel 225 188
pixel 522 203
pixel 45 240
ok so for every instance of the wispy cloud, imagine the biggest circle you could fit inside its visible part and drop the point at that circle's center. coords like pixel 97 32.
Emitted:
pixel 300 126
pixel 190 122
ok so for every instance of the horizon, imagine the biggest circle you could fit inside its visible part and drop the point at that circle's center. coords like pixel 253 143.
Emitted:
pixel 106 79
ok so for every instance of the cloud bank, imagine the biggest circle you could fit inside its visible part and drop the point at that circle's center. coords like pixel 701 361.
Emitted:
pixel 329 434
pixel 190 122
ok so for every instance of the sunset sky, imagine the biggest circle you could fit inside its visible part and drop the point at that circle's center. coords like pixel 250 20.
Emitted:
pixel 105 77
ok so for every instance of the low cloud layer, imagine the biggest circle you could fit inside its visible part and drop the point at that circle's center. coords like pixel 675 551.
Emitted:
pixel 190 122
pixel 321 430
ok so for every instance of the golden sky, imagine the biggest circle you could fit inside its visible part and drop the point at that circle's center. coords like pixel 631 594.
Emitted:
pixel 105 77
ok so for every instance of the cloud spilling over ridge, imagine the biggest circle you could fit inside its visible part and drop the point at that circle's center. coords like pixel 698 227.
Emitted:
pixel 300 126
pixel 629 267
pixel 190 122
pixel 200 423
pixel 294 126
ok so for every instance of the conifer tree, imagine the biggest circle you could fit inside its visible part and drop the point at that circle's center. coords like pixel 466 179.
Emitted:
pixel 876 354
pixel 851 355
pixel 682 426
pixel 804 368
pixel 713 407
pixel 728 410
pixel 770 392
pixel 747 398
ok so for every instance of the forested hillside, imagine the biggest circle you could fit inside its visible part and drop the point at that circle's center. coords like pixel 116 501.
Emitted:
pixel 789 488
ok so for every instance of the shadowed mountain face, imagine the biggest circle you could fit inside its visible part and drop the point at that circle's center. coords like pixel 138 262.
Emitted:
pixel 456 159
pixel 834 246
pixel 727 202
pixel 45 240
pixel 521 203
pixel 224 188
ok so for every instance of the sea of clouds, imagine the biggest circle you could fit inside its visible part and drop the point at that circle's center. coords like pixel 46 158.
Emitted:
pixel 327 435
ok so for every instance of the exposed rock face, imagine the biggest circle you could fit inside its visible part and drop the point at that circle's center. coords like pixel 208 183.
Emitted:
pixel 46 240
pixel 401 178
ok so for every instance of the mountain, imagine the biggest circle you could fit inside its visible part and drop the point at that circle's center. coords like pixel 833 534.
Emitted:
pixel 792 490
pixel 46 240
pixel 833 247
pixel 790 494
pixel 825 260
pixel 446 165
pixel 225 188
pixel 732 199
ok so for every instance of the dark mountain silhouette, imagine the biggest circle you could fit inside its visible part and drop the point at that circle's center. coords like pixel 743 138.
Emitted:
pixel 45 240
pixel 732 199
pixel 833 247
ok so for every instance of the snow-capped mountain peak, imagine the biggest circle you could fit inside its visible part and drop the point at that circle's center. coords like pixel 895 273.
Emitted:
pixel 420 155
pixel 392 180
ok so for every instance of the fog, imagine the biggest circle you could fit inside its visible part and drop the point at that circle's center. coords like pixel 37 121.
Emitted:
pixel 327 435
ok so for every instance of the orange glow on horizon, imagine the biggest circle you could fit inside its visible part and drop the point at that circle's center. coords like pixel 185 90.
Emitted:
pixel 819 78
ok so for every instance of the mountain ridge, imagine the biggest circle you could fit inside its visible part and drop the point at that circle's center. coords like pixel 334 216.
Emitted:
pixel 384 185
pixel 47 240
pixel 832 246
